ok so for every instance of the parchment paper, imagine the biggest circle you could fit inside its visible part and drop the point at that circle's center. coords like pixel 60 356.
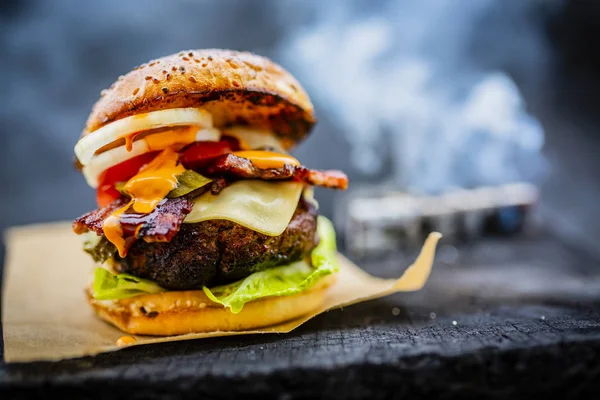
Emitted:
pixel 45 315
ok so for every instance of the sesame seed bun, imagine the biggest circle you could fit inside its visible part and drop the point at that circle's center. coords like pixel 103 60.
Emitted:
pixel 181 312
pixel 238 88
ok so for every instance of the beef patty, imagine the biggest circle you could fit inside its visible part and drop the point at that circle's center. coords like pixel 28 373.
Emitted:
pixel 214 252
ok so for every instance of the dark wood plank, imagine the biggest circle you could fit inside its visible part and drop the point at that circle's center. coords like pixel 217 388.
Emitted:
pixel 517 334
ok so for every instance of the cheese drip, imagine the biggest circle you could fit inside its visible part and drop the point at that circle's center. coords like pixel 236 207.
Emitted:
pixel 267 159
pixel 148 188
pixel 154 181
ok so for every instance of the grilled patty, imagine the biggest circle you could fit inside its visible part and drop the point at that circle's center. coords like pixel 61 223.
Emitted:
pixel 214 252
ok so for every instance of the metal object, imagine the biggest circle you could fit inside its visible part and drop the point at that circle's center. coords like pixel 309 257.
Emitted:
pixel 389 220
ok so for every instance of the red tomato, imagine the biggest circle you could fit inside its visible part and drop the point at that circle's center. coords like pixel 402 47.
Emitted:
pixel 106 192
pixel 198 154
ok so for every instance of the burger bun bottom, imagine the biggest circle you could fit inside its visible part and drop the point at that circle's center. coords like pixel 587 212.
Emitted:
pixel 181 312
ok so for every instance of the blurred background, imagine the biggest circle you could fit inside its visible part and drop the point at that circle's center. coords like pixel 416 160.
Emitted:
pixel 419 102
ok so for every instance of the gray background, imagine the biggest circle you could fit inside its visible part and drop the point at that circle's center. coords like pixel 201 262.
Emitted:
pixel 58 55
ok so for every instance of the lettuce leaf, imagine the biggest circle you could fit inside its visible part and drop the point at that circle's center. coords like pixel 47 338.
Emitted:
pixel 285 280
pixel 279 281
pixel 99 247
pixel 110 287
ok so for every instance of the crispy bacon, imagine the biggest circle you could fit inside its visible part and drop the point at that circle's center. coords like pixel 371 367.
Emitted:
pixel 92 221
pixel 332 179
pixel 158 226
pixel 161 224
pixel 238 167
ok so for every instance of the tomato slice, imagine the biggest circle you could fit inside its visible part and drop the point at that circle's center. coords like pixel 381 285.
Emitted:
pixel 198 154
pixel 106 192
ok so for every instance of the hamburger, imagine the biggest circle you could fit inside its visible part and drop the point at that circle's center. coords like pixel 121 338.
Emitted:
pixel 205 221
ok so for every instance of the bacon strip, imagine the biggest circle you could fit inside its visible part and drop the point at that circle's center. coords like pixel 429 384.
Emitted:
pixel 238 167
pixel 92 221
pixel 161 224
pixel 158 226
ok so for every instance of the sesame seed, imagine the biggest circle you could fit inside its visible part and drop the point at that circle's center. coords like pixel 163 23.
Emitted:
pixel 188 303
pixel 136 91
pixel 192 79
pixel 236 83
pixel 148 78
pixel 186 59
pixel 165 90
pixel 202 305
pixel 196 60
pixel 164 72
pixel 204 65
pixel 191 54
pixel 168 77
pixel 174 69
pixel 210 58
pixel 155 80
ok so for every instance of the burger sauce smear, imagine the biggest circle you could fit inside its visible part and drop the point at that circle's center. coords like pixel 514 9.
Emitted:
pixel 152 184
pixel 267 159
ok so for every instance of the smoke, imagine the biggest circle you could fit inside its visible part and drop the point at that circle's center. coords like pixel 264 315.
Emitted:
pixel 411 99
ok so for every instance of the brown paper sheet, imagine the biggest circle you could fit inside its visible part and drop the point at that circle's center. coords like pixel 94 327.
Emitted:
pixel 45 315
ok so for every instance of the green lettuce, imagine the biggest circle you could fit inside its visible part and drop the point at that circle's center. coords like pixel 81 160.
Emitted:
pixel 285 280
pixel 279 281
pixel 110 287
pixel 99 247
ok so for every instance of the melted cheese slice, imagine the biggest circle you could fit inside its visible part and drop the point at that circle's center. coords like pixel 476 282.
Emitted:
pixel 265 207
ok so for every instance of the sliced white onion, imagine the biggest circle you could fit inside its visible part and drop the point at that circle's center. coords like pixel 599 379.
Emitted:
pixel 110 158
pixel 87 146
pixel 208 134
pixel 255 137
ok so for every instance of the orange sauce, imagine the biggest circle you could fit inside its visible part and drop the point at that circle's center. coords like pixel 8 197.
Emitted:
pixel 162 140
pixel 129 141
pixel 152 184
pixel 166 139
pixel 154 181
pixel 125 340
pixel 113 231
pixel 267 159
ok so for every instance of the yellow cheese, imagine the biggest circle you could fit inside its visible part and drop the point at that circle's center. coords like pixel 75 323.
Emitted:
pixel 265 207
